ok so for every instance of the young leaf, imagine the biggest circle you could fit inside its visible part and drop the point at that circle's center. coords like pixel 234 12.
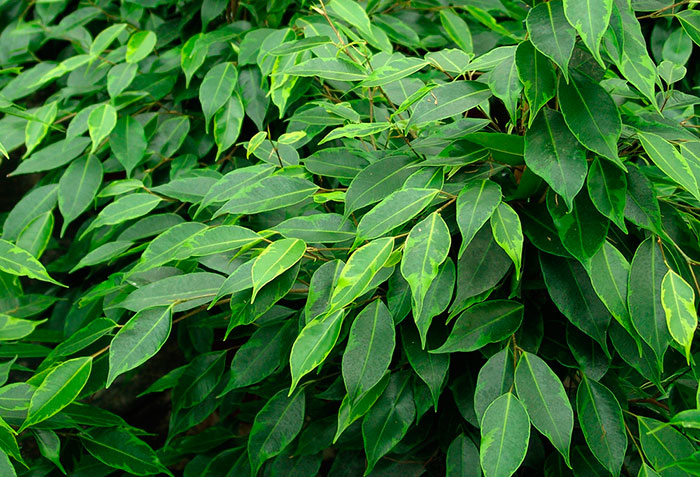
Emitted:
pixel 60 387
pixel 426 247
pixel 138 340
pixel 508 234
pixel 678 301
pixel 275 259
pixel 140 46
pixel 369 350
pixel 313 345
pixel 101 122
pixel 476 203
pixel 505 434
pixel 543 395
pixel 275 426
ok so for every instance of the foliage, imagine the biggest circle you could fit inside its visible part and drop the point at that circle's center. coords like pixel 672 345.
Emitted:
pixel 347 237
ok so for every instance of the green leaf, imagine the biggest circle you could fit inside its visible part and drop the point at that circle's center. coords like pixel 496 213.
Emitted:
pixel 16 328
pixel 274 260
pixel 324 228
pixel 607 189
pixel 505 433
pixel 476 203
pixel 261 355
pixel 664 446
pixel 426 247
pixel 138 340
pixel 167 246
pixel 275 427
pixel 216 88
pixel 449 100
pixel 357 274
pixel 571 291
pixel 670 161
pixel 120 77
pixel 35 203
pixel 677 47
pixel 553 153
pixel 437 298
pixel 78 187
pixel 125 208
pixel 313 345
pixel 484 323
pixel 394 210
pixel 336 69
pixel 82 338
pixel 392 71
pixel 52 156
pixel 678 301
pixel 120 449
pixel 602 424
pixel 377 181
pixel 353 13
pixel 36 235
pixel 199 380
pixel 543 395
pixel 105 38
pixel 457 29
pixel 227 123
pixel 140 46
pixel 582 230
pixel 356 131
pixel 183 291
pixel 608 270
pixel 214 240
pixel 369 350
pixel 389 419
pixel 537 76
pixel 508 234
pixel 591 115
pixel 690 21
pixel 551 33
pixel 101 122
pixel 17 261
pixel 269 193
pixel 506 86
pixel 495 379
pixel 60 387
pixel 227 186
pixel 431 368
pixel 644 297
pixel 462 458
pixel 590 18
pixel 128 143
pixel 38 126
pixel 297 46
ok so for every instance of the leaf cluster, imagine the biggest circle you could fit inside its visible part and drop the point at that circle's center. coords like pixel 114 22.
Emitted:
pixel 341 237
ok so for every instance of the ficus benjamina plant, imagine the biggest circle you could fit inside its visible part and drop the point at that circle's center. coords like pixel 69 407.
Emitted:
pixel 349 237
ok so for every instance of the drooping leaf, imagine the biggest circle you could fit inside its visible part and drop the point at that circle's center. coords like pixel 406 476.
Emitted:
pixel 590 18
pixel 505 434
pixel 101 122
pixel 551 33
pixel 607 189
pixel 544 398
pixel 495 379
pixel 678 301
pixel 128 143
pixel 78 187
pixel 120 449
pixel 275 259
pixel 462 458
pixel 476 203
pixel 508 234
pixel 431 368
pixel 537 75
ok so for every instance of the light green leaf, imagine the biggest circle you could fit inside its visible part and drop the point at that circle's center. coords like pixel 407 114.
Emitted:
pixel 545 400
pixel 554 154
pixel 17 261
pixel 505 434
pixel 140 46
pixel 377 181
pixel 77 188
pixel 120 77
pixel 101 122
pixel 32 205
pixel 216 88
pixel 269 193
pixel 670 161
pixel 476 203
pixel 356 131
pixel 36 235
pixel 105 38
pixel 227 123
pixel 12 328
pixel 125 208
pixel 678 301
pixel 128 143
pixel 357 274
pixel 426 247
pixel 508 234
pixel 52 156
pixel 690 21
pixel 457 29
pixel 393 70
pixel 369 350
pixel 600 416
pixel 38 126
pixel 59 388
pixel 231 183
pixel 274 260
pixel 449 100
pixel 484 323
pixel 313 345
pixel 590 18
pixel 323 228
pixel 336 69
pixel 167 245
pixel 219 239
pixel 275 427
pixel 506 86
pixel 394 210
pixel 183 291
pixel 138 340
